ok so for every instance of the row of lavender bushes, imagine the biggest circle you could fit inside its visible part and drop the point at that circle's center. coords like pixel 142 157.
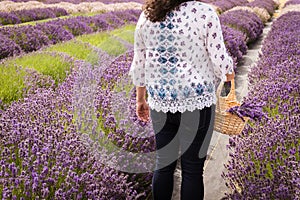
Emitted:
pixel 43 153
pixel 248 23
pixel 224 5
pixel 17 39
pixel 21 16
pixel 265 158
pixel 269 5
pixel 239 28
pixel 292 2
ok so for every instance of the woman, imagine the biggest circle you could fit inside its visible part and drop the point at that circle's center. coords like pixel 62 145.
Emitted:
pixel 179 53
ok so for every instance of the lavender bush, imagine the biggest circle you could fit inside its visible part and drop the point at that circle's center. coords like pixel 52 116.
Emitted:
pixel 8 18
pixel 244 21
pixel 291 2
pixel 284 41
pixel 27 37
pixel 40 13
pixel 8 47
pixel 265 158
pixel 99 24
pixel 235 42
pixel 55 32
pixel 269 5
pixel 128 15
pixel 34 14
pixel 77 26
pixel 224 5
pixel 21 16
pixel 59 11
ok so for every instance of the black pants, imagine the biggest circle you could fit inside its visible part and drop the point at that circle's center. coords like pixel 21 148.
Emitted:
pixel 184 136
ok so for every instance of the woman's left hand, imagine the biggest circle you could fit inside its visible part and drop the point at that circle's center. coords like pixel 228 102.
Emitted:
pixel 142 110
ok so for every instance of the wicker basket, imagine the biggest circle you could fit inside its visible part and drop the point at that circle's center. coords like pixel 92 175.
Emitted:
pixel 225 122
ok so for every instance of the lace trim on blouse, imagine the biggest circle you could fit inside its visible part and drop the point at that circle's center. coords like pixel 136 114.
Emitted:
pixel 188 104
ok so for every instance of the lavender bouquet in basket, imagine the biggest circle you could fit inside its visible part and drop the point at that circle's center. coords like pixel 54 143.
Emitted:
pixel 253 111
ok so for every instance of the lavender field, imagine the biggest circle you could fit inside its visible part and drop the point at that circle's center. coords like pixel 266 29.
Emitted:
pixel 68 128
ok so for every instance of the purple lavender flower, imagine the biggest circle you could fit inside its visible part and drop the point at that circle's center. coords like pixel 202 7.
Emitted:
pixel 34 14
pixel 227 4
pixel 244 21
pixel 8 47
pixel 235 42
pixel 269 5
pixel 27 37
pixel 292 2
pixel 8 18
pixel 55 32
pixel 77 26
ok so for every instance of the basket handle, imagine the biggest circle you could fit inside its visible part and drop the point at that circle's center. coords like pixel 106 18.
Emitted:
pixel 231 95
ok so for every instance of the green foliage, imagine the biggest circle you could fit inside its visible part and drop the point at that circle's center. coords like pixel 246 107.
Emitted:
pixel 89 14
pixel 94 39
pixel 12 73
pixel 44 63
pixel 39 21
pixel 104 41
pixel 110 41
pixel 113 47
pixel 76 49
pixel 11 83
pixel 125 33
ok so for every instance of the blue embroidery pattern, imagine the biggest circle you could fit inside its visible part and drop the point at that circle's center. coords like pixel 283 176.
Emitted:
pixel 167 58
pixel 198 90
pixel 162 93
pixel 186 91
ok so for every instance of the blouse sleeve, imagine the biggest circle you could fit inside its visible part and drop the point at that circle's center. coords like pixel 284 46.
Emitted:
pixel 137 69
pixel 223 63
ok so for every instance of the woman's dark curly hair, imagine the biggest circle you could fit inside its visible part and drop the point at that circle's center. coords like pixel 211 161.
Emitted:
pixel 156 10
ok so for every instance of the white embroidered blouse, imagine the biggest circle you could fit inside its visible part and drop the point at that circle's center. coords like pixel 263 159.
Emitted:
pixel 180 58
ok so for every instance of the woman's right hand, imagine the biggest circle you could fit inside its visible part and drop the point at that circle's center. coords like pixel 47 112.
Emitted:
pixel 142 110
pixel 230 77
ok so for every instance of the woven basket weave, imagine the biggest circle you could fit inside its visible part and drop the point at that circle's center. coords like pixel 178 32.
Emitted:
pixel 225 122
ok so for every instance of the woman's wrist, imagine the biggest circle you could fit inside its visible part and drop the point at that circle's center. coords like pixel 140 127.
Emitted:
pixel 142 100
pixel 141 94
